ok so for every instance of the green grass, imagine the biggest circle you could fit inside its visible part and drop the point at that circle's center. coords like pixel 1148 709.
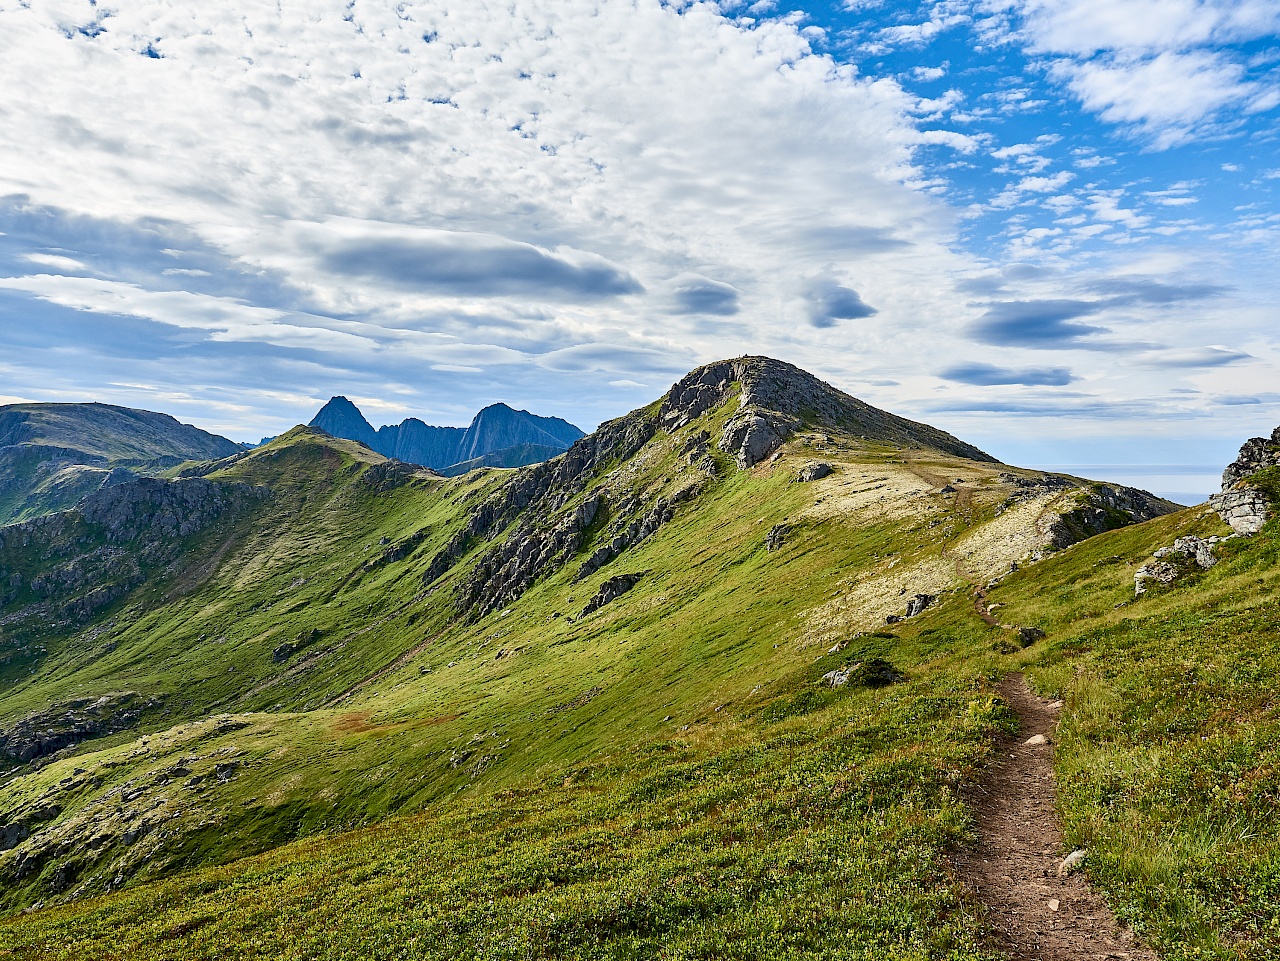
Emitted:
pixel 667 777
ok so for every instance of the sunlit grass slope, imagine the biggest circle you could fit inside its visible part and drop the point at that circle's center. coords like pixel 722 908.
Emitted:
pixel 668 776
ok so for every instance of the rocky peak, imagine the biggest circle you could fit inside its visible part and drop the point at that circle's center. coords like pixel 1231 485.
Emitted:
pixel 341 418
pixel 776 398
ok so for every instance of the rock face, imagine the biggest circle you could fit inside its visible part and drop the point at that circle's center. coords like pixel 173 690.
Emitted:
pixel 54 455
pixel 1102 508
pixel 94 554
pixel 1257 453
pixel 69 722
pixel 611 590
pixel 1239 503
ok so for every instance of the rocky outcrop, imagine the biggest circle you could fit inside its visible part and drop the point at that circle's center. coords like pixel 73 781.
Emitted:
pixel 95 554
pixel 630 529
pixel 1104 507
pixel 774 400
pixel 751 435
pixel 1185 555
pixel 917 605
pixel 1256 454
pixel 501 575
pixel 611 590
pixel 67 723
pixel 1240 503
pixel 875 672
pixel 776 537
pixel 813 472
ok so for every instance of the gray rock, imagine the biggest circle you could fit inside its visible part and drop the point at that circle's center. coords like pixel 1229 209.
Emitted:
pixel 813 472
pixel 918 604
pixel 1244 508
pixel 1029 635
pixel 1072 861
pixel 67 723
pixel 753 434
pixel 1161 572
pixel 1197 549
pixel 875 672
pixel 776 537
pixel 612 589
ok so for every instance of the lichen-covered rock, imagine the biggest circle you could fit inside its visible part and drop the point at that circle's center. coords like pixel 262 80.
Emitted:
pixel 1240 504
pixel 1162 572
pixel 813 472
pixel 1245 509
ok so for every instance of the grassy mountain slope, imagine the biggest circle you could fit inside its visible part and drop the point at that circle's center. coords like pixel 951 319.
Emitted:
pixel 53 455
pixel 666 775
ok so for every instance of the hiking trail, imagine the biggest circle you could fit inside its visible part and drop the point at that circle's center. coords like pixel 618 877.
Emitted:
pixel 1032 913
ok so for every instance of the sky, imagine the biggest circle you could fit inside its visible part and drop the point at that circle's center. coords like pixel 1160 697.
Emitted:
pixel 1050 228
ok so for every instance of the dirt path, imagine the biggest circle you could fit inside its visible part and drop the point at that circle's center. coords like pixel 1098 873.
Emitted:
pixel 1033 914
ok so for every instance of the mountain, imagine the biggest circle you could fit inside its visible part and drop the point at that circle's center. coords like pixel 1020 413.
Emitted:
pixel 341 418
pixel 519 455
pixel 497 436
pixel 720 680
pixel 52 455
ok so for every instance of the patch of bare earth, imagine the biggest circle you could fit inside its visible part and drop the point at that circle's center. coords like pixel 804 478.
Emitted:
pixel 1033 914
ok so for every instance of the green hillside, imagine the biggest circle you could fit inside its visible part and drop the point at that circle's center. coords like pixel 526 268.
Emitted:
pixel 579 709
pixel 53 455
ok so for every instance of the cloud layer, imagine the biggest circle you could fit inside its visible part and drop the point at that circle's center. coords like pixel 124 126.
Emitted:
pixel 232 211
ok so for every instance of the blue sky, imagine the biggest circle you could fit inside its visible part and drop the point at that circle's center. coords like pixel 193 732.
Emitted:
pixel 1047 227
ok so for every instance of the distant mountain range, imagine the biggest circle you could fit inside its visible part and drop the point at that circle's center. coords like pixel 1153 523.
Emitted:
pixel 53 455
pixel 498 436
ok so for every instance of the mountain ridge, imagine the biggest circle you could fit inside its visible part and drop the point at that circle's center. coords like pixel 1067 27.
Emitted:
pixel 610 627
pixel 495 428
pixel 52 455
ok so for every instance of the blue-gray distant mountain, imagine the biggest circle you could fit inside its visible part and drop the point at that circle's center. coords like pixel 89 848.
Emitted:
pixel 52 455
pixel 499 436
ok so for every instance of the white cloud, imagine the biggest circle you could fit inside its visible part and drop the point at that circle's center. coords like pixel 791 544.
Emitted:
pixel 499 181
pixel 1157 66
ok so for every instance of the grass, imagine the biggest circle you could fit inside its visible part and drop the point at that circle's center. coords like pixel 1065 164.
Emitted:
pixel 667 777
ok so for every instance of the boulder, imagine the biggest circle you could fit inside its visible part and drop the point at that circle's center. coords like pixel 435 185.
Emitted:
pixel 1239 503
pixel 1161 572
pixel 776 537
pixel 612 589
pixel 918 604
pixel 813 472
pixel 876 672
